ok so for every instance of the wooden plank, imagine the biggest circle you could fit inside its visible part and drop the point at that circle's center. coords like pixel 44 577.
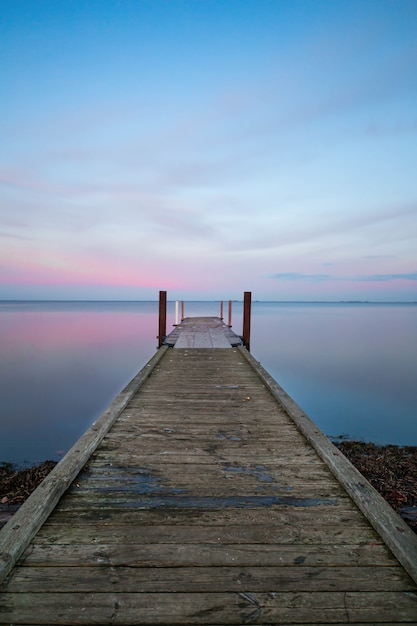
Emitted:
pixel 170 466
pixel 195 454
pixel 114 455
pixel 141 579
pixel 164 533
pixel 153 424
pixel 373 623
pixel 210 608
pixel 344 515
pixel 149 426
pixel 234 480
pixel 222 440
pixel 262 472
pixel 195 475
pixel 220 444
pixel 99 501
pixel 211 497
pixel 198 554
pixel 185 532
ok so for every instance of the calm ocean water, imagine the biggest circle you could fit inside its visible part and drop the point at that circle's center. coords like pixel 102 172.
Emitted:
pixel 351 367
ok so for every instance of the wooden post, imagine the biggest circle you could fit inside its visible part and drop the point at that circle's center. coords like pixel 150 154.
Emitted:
pixel 229 314
pixel 162 317
pixel 247 300
pixel 182 310
pixel 221 309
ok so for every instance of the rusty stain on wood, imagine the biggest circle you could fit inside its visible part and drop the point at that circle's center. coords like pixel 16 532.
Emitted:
pixel 207 499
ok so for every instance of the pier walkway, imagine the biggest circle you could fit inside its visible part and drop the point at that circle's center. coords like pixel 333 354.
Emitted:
pixel 204 495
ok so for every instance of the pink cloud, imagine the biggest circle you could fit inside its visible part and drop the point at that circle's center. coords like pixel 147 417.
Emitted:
pixel 83 270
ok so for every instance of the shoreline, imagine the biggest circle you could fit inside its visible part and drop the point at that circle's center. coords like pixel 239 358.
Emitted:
pixel 16 485
pixel 391 470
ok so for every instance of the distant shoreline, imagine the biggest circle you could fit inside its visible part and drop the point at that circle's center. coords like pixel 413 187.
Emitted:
pixel 371 302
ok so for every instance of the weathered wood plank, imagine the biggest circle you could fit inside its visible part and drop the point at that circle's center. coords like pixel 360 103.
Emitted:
pixel 191 579
pixel 100 500
pixel 116 456
pixel 213 447
pixel 226 486
pixel 170 429
pixel 285 623
pixel 241 481
pixel 210 608
pixel 196 454
pixel 209 472
pixel 342 516
pixel 200 554
pixel 290 533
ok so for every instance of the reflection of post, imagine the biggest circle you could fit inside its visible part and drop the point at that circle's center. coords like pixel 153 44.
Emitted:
pixel 162 317
pixel 221 309
pixel 229 314
pixel 247 299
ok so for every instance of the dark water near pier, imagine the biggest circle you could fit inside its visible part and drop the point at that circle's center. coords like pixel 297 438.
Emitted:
pixel 351 367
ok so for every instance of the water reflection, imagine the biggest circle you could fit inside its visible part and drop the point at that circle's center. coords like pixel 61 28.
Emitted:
pixel 351 367
pixel 61 367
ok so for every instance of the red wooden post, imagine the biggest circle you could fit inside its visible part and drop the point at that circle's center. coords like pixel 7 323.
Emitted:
pixel 162 317
pixel 229 316
pixel 247 300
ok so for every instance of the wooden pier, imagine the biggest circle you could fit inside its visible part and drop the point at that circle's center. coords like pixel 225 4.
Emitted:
pixel 204 495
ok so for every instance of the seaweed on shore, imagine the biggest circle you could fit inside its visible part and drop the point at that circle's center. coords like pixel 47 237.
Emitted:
pixel 17 485
pixel 391 470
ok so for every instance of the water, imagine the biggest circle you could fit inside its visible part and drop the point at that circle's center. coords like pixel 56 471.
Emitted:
pixel 351 367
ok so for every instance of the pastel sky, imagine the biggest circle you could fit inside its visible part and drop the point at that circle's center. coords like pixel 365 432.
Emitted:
pixel 208 147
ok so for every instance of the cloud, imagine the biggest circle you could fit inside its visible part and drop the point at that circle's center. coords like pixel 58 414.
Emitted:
pixel 28 178
pixel 319 278
pixel 386 277
pixel 377 257
pixel 305 229
pixel 316 278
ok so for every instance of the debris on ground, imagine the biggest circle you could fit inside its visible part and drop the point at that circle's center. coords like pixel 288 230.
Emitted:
pixel 391 470
pixel 17 484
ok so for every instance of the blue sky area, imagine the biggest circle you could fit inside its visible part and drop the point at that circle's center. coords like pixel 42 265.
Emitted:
pixel 208 148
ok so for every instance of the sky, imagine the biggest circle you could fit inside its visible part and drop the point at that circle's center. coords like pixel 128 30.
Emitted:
pixel 207 148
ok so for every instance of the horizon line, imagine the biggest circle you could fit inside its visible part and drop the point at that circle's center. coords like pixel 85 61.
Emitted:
pixel 212 300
